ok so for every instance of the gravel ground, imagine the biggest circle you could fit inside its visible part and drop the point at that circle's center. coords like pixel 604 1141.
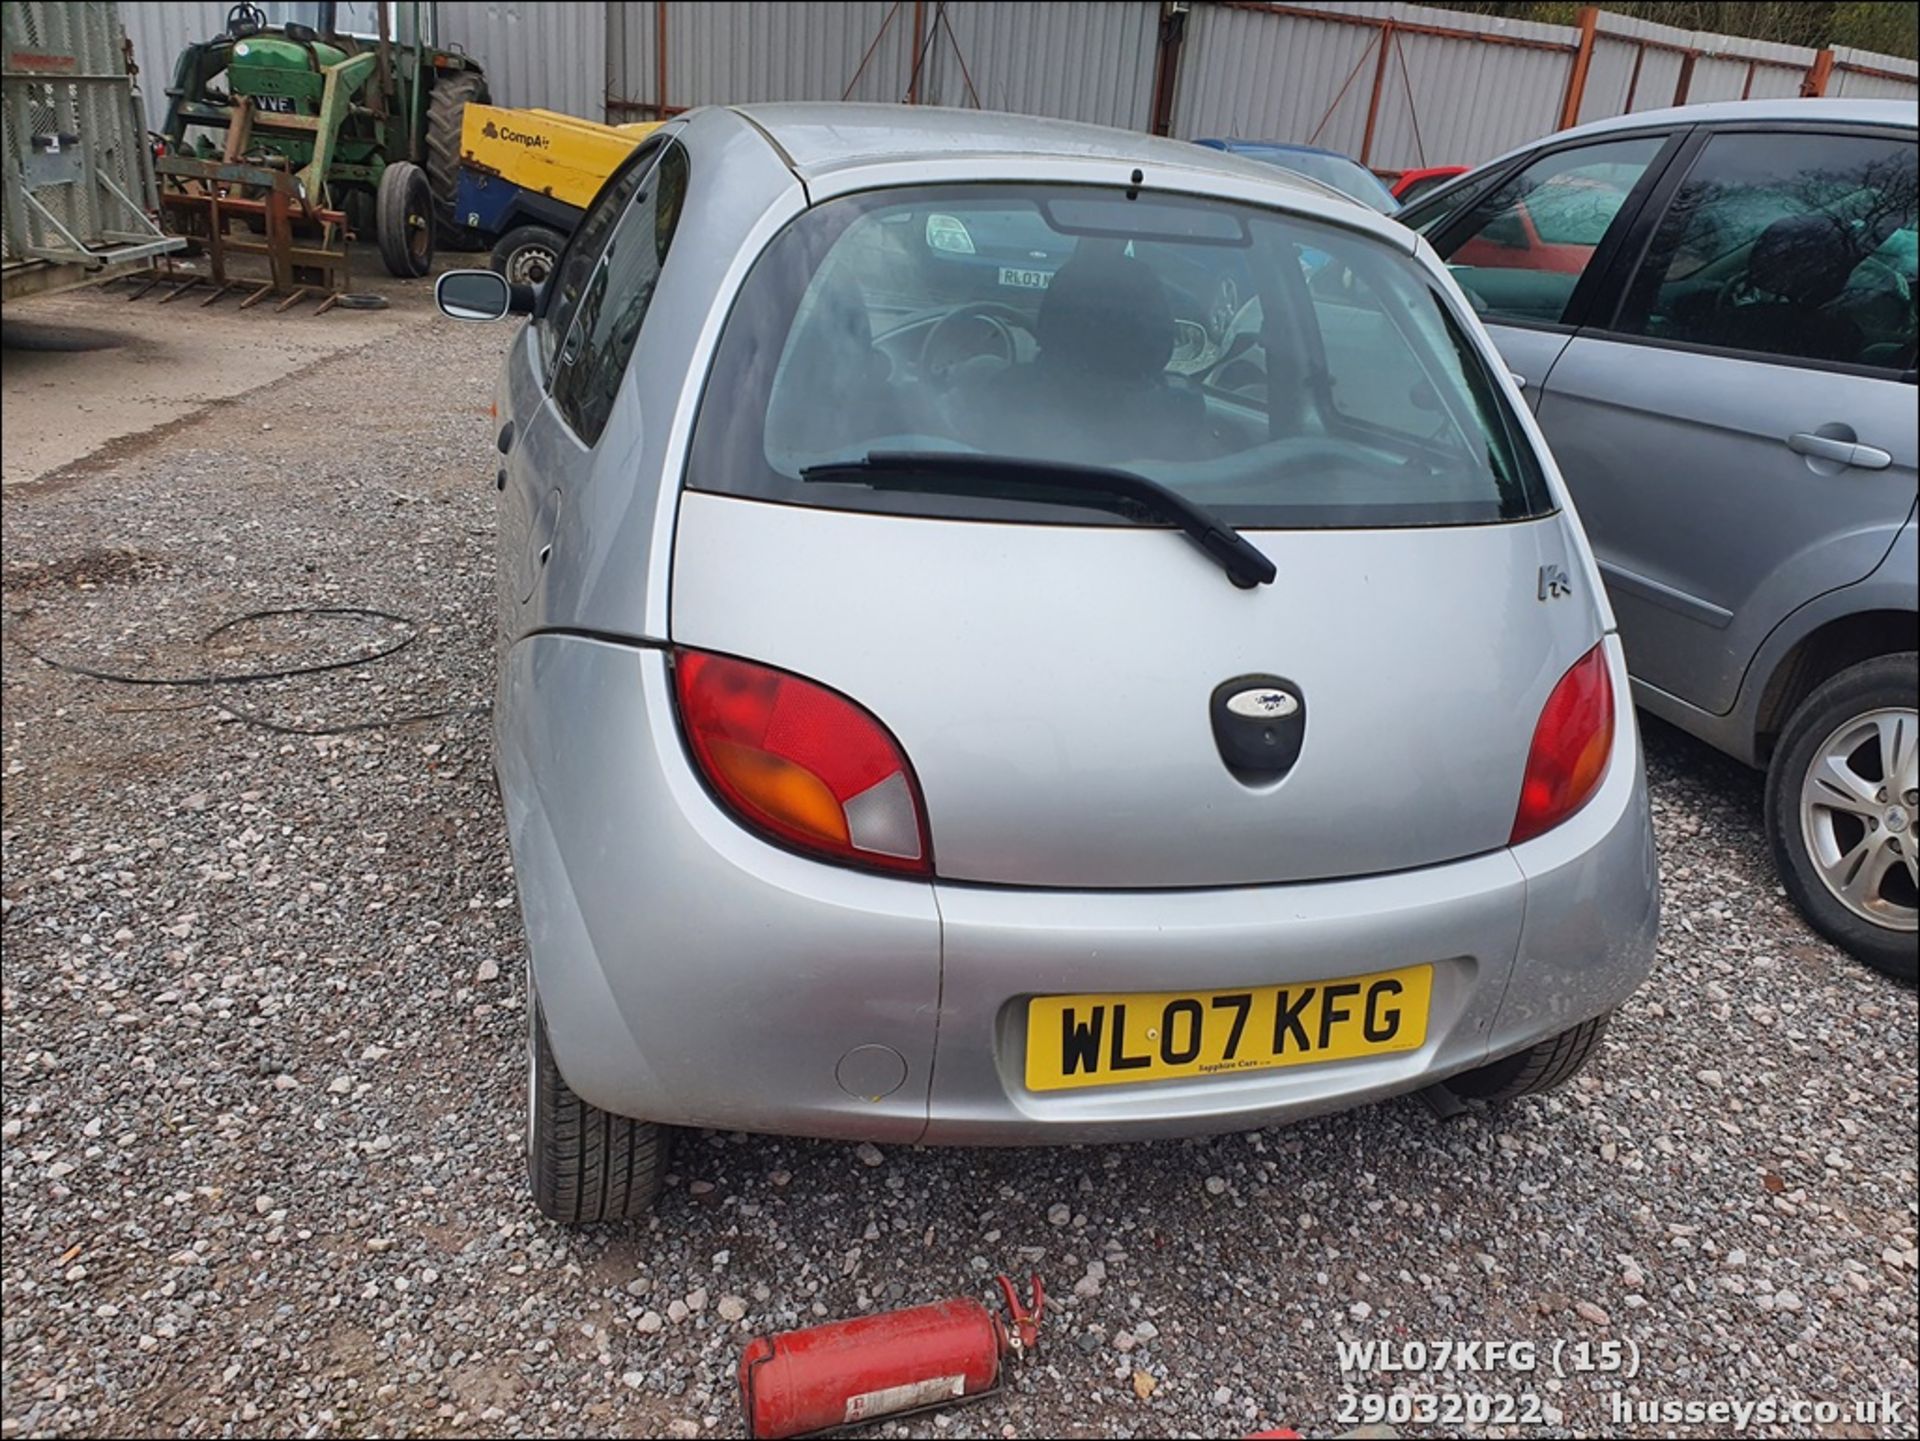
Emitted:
pixel 263 1056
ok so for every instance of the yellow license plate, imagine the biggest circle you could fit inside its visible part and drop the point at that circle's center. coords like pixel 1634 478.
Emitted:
pixel 1160 1035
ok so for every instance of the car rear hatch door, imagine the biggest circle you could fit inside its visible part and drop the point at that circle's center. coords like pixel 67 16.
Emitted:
pixel 1060 689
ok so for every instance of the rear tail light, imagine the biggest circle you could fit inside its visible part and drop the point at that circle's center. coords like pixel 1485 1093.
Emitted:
pixel 802 763
pixel 1571 745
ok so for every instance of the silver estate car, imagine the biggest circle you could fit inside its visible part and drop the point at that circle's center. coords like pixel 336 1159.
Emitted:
pixel 1141 681
pixel 1713 308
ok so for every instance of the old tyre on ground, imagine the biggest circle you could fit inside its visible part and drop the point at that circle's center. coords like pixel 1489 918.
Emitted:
pixel 1541 1067
pixel 405 220
pixel 527 254
pixel 446 111
pixel 586 1164
pixel 1843 800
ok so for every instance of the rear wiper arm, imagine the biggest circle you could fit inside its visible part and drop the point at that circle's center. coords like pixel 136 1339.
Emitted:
pixel 1055 482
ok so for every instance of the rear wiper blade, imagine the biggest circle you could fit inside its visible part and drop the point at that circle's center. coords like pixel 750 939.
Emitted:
pixel 1056 482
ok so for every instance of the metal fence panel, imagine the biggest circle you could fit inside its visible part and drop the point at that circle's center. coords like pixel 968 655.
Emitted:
pixel 1775 82
pixel 633 56
pixel 1458 102
pixel 1610 77
pixel 1716 78
pixel 159 33
pixel 1087 60
pixel 736 52
pixel 1248 74
pixel 1892 77
pixel 547 53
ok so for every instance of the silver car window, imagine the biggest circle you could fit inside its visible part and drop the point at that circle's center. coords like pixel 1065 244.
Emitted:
pixel 1278 371
pixel 1795 245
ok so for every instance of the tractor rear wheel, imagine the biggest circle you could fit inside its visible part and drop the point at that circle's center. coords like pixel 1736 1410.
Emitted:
pixel 446 111
pixel 405 228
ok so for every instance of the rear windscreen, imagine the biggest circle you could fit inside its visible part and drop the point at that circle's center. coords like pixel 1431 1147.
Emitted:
pixel 1280 372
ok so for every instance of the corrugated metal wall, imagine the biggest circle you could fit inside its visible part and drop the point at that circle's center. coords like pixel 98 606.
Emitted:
pixel 739 51
pixel 1244 71
pixel 1448 101
pixel 1252 73
pixel 1085 60
pixel 159 33
pixel 1853 84
pixel 1249 73
pixel 549 53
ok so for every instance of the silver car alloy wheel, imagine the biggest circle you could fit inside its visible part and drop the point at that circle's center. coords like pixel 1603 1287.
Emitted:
pixel 1859 804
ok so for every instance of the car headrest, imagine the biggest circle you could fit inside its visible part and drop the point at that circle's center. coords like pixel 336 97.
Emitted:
pixel 1805 259
pixel 1106 314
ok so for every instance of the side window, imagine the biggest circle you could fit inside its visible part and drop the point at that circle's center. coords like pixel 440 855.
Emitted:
pixel 616 297
pixel 1524 245
pixel 582 254
pixel 1793 245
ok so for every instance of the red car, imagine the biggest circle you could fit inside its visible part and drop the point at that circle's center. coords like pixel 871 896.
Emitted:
pixel 1412 184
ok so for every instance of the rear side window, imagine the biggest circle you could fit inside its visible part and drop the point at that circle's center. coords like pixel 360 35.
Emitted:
pixel 1796 245
pixel 1280 372
pixel 1524 247
pixel 614 302
pixel 580 259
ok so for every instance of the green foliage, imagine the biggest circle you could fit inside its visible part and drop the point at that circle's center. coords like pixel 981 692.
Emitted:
pixel 1888 26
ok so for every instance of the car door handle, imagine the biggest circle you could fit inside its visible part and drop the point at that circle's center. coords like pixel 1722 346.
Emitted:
pixel 1841 452
pixel 504 441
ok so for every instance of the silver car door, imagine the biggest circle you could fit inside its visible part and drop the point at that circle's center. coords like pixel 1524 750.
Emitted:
pixel 1741 438
pixel 542 461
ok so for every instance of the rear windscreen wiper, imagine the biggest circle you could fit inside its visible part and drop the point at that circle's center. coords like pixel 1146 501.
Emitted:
pixel 1054 482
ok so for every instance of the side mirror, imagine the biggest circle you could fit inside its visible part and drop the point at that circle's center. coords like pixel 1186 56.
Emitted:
pixel 473 295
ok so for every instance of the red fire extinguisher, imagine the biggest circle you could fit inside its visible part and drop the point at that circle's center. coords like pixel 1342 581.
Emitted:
pixel 841 1374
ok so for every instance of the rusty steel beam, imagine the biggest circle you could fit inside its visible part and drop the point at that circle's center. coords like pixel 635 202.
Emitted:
pixel 1582 63
pixel 1387 42
pixel 1166 67
pixel 919 39
pixel 1818 74
pixel 660 57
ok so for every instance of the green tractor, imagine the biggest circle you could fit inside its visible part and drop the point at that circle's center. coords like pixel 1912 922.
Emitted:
pixel 349 108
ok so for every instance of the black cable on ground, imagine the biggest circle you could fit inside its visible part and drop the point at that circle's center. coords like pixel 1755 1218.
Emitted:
pixel 254 718
pixel 248 677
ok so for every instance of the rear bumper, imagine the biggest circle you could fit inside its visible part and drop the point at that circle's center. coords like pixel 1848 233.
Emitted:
pixel 693 974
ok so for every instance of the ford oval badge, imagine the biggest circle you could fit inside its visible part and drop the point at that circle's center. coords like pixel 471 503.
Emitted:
pixel 1264 703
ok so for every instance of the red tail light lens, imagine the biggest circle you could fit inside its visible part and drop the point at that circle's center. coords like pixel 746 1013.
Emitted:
pixel 1571 745
pixel 802 763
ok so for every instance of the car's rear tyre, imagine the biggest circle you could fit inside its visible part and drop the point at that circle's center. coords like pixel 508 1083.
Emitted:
pixel 586 1164
pixel 1541 1067
pixel 404 222
pixel 1842 808
pixel 527 254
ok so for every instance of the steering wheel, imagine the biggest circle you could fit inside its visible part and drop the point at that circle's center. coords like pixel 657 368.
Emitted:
pixel 245 19
pixel 998 321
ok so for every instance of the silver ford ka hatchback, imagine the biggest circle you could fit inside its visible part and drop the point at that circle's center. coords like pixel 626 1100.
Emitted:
pixel 1018 632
